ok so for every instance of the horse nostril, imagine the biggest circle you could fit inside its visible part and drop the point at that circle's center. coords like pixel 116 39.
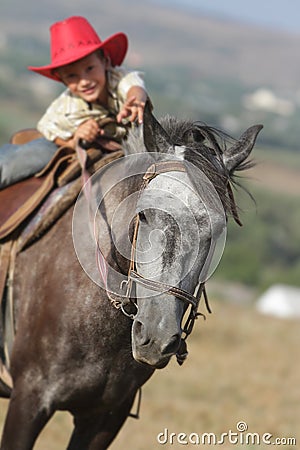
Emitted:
pixel 172 346
pixel 140 333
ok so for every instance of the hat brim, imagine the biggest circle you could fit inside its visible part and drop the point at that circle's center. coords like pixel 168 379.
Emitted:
pixel 115 47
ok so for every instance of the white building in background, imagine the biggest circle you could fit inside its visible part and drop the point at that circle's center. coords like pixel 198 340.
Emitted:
pixel 265 100
pixel 280 301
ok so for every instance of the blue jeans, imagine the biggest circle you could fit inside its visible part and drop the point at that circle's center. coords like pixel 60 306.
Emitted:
pixel 21 161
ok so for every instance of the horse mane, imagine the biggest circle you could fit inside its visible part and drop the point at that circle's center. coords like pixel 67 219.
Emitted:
pixel 204 147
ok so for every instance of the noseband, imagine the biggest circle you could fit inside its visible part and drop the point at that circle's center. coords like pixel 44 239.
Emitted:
pixel 134 277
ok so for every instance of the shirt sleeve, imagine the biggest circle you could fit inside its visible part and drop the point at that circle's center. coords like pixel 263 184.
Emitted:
pixel 129 80
pixel 54 123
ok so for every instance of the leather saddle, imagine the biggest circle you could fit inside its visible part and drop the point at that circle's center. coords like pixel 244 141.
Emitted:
pixel 20 200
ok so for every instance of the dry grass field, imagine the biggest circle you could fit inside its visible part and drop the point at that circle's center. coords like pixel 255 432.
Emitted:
pixel 278 172
pixel 242 367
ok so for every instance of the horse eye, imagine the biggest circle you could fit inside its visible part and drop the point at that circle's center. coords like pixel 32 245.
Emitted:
pixel 197 135
pixel 142 216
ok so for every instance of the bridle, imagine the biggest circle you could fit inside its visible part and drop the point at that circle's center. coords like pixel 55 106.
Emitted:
pixel 134 277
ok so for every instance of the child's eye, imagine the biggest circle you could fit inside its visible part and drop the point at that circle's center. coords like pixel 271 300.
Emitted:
pixel 71 76
pixel 90 68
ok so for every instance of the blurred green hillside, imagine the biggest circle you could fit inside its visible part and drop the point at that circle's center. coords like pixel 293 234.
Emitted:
pixel 224 73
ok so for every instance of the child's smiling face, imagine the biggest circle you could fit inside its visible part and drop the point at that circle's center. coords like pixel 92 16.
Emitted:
pixel 86 78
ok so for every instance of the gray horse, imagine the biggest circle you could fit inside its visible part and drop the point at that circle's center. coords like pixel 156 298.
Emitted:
pixel 74 350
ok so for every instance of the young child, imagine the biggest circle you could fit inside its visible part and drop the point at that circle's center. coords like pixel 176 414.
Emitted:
pixel 96 89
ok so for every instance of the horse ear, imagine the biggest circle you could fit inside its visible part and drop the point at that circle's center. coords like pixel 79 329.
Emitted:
pixel 240 151
pixel 156 138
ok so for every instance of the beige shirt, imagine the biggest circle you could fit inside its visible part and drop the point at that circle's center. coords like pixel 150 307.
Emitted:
pixel 68 111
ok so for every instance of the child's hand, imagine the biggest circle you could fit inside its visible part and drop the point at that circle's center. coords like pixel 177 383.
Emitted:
pixel 87 131
pixel 132 110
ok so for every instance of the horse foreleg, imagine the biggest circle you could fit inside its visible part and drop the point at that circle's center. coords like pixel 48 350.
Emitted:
pixel 96 431
pixel 25 419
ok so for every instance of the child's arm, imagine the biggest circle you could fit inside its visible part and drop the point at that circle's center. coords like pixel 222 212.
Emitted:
pixel 134 106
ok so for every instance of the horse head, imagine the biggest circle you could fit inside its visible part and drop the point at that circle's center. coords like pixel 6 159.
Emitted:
pixel 181 213
pixel 161 227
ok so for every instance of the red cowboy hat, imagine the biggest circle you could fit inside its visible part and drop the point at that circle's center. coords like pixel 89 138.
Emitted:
pixel 73 39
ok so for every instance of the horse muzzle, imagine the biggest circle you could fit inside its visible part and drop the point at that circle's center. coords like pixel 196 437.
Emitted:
pixel 154 348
